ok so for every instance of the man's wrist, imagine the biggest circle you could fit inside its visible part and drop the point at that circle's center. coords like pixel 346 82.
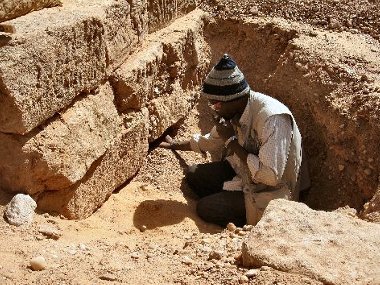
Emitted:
pixel 229 140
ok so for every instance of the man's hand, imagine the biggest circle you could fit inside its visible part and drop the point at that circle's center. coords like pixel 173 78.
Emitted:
pixel 225 129
pixel 170 143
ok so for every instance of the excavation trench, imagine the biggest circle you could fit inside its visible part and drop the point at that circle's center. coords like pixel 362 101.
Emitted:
pixel 325 84
pixel 71 163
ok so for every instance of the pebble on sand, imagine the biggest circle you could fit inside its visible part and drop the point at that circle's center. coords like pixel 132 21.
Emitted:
pixel 231 227
pixel 251 273
pixel 38 263
pixel 49 231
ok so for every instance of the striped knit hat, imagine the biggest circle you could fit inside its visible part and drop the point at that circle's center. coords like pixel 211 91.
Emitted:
pixel 225 82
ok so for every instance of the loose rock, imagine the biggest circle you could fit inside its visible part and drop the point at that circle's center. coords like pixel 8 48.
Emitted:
pixel 251 273
pixel 215 255
pixel 20 210
pixel 187 260
pixel 231 227
pixel 38 263
pixel 49 231
pixel 243 279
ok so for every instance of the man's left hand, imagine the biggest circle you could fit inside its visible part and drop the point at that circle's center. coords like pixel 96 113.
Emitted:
pixel 225 130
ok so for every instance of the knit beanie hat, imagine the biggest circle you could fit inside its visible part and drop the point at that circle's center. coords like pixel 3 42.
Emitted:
pixel 225 82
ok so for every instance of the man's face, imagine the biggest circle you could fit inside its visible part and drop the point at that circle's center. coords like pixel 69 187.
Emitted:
pixel 226 110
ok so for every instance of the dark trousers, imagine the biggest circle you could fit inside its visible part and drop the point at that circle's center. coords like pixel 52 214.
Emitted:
pixel 216 205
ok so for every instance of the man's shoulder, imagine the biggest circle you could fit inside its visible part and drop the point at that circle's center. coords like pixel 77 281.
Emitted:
pixel 264 97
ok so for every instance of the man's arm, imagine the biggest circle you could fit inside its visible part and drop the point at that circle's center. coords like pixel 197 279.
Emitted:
pixel 268 166
pixel 169 143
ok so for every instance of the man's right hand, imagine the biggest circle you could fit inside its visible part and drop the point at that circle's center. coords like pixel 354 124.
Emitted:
pixel 170 143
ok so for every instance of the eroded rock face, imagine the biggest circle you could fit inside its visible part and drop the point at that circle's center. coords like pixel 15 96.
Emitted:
pixel 121 161
pixel 332 89
pixel 330 247
pixel 76 46
pixel 60 154
pixel 162 12
pixel 165 73
pixel 10 9
pixel 75 141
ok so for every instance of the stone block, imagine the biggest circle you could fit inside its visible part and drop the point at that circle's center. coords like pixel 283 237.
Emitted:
pixel 58 53
pixel 10 9
pixel 165 73
pixel 120 163
pixel 331 247
pixel 59 154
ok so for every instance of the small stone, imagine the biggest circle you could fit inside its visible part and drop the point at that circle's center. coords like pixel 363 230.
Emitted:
pixel 206 249
pixel 143 228
pixel 82 247
pixel 49 231
pixel 206 241
pixel 334 24
pixel 187 260
pixel 370 160
pixel 341 167
pixel 368 171
pixel 243 279
pixel 364 77
pixel 108 277
pixel 20 210
pixel 38 263
pixel 231 227
pixel 215 255
pixel 251 273
pixel 254 11
pixel 135 255
pixel 144 187
pixel 265 268
pixel 72 251
pixel 247 228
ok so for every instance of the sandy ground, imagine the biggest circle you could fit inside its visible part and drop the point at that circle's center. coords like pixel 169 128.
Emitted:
pixel 146 233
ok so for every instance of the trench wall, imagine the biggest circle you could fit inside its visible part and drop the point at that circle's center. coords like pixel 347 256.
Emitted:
pixel 333 89
pixel 79 107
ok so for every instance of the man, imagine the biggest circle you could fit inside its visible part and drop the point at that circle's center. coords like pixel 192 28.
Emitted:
pixel 259 145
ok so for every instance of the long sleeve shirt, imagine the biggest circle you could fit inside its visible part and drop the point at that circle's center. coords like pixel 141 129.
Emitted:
pixel 267 155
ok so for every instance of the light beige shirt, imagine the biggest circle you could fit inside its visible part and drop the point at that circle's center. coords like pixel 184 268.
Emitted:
pixel 267 154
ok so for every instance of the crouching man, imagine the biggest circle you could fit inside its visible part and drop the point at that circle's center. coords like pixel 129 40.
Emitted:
pixel 259 145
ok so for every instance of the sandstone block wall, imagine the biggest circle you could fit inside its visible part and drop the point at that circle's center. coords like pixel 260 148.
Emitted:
pixel 79 105
pixel 119 163
pixel 165 74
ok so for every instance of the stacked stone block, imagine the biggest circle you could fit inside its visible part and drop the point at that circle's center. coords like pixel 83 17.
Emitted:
pixel 84 88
